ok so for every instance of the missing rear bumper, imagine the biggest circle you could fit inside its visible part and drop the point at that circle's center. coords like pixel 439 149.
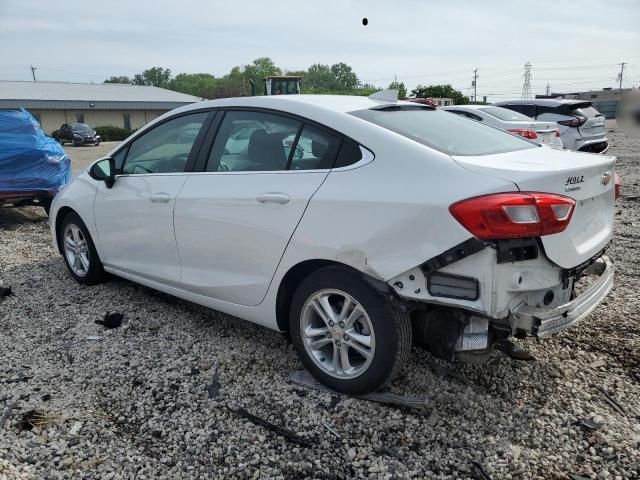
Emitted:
pixel 541 322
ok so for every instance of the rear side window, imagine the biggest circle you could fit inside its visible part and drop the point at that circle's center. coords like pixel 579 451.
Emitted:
pixel 315 149
pixel 253 142
pixel 446 133
pixel 350 153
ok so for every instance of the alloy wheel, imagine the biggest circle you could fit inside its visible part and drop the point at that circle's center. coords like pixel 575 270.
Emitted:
pixel 76 250
pixel 337 333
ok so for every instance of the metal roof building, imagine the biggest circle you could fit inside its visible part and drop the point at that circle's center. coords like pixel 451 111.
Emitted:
pixel 98 104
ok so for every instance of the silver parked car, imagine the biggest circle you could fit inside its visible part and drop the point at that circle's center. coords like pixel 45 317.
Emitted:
pixel 581 125
pixel 546 133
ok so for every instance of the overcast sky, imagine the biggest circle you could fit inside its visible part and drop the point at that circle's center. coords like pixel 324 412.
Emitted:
pixel 573 45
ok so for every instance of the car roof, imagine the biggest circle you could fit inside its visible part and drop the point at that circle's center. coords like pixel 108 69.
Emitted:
pixel 546 102
pixel 335 103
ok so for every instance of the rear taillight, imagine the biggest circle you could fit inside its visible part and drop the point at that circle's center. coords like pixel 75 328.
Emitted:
pixel 514 215
pixel 617 186
pixel 524 132
pixel 573 122
pixel 557 132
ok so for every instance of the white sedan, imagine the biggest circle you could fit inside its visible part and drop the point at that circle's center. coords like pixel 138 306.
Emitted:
pixel 398 223
pixel 546 133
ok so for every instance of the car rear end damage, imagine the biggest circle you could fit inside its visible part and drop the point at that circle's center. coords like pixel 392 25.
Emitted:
pixel 522 272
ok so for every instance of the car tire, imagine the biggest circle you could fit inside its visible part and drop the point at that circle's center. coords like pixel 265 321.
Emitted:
pixel 74 143
pixel 97 144
pixel 374 336
pixel 81 258
pixel 60 141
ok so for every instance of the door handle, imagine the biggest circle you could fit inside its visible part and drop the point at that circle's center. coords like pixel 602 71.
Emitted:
pixel 160 197
pixel 273 198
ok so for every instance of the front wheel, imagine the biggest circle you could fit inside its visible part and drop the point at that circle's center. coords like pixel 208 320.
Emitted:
pixel 347 334
pixel 79 251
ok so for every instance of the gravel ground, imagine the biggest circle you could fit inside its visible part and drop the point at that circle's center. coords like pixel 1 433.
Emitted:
pixel 157 398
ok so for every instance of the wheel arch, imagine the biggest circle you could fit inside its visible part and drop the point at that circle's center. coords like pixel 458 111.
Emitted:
pixel 299 272
pixel 60 215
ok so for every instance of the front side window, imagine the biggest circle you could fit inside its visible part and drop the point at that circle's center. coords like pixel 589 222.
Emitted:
pixel 252 142
pixel 446 133
pixel 165 148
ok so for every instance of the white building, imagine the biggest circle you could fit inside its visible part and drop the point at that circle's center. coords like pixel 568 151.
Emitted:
pixel 97 104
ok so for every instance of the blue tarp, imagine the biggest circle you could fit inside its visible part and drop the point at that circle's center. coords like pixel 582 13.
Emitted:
pixel 29 160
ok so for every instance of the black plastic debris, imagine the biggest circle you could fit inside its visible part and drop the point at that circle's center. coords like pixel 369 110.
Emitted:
pixel 612 402
pixel 111 320
pixel 304 379
pixel 480 473
pixel 5 292
pixel 283 432
pixel 46 397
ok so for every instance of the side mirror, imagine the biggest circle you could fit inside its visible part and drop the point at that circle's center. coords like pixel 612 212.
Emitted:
pixel 104 171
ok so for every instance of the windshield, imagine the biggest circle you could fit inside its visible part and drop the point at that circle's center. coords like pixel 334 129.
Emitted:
pixel 447 133
pixel 80 127
pixel 505 114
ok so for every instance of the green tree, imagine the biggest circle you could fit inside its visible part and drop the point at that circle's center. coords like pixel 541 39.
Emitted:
pixel 198 84
pixel 319 79
pixel 440 91
pixel 119 79
pixel 260 68
pixel 234 84
pixel 156 76
pixel 344 76
pixel 402 90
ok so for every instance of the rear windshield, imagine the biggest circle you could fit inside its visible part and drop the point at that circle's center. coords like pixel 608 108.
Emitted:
pixel 505 114
pixel 447 133
pixel 586 112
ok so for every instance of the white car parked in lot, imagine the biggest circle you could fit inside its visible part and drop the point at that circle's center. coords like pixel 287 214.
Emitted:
pixel 581 125
pixel 398 221
pixel 546 133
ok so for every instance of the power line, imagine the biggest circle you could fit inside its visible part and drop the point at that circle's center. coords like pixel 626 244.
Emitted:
pixel 526 86
pixel 474 84
pixel 620 75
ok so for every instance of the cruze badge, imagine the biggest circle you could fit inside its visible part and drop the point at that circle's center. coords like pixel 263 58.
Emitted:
pixel 606 178
pixel 572 183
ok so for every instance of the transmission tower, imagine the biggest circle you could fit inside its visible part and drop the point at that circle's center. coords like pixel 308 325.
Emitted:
pixel 526 86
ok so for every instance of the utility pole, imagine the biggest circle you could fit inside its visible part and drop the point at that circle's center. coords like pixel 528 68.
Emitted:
pixel 548 89
pixel 474 84
pixel 526 85
pixel 33 72
pixel 620 75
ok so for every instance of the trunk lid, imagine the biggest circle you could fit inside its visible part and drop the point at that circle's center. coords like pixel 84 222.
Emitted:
pixel 587 178
pixel 546 131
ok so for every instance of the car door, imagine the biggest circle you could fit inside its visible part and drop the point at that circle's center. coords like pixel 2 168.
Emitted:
pixel 234 219
pixel 134 218
pixel 65 133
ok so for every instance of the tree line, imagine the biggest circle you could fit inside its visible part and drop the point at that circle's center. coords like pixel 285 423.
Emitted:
pixel 337 79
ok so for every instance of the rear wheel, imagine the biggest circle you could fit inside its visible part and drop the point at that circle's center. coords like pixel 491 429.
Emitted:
pixel 347 334
pixel 79 251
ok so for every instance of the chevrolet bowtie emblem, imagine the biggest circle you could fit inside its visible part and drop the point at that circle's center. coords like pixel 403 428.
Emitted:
pixel 606 178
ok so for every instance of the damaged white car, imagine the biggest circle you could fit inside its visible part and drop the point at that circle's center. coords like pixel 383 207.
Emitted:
pixel 357 225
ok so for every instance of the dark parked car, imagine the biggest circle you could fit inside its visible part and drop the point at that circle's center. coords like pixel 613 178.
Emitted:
pixel 581 126
pixel 76 134
pixel 33 167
